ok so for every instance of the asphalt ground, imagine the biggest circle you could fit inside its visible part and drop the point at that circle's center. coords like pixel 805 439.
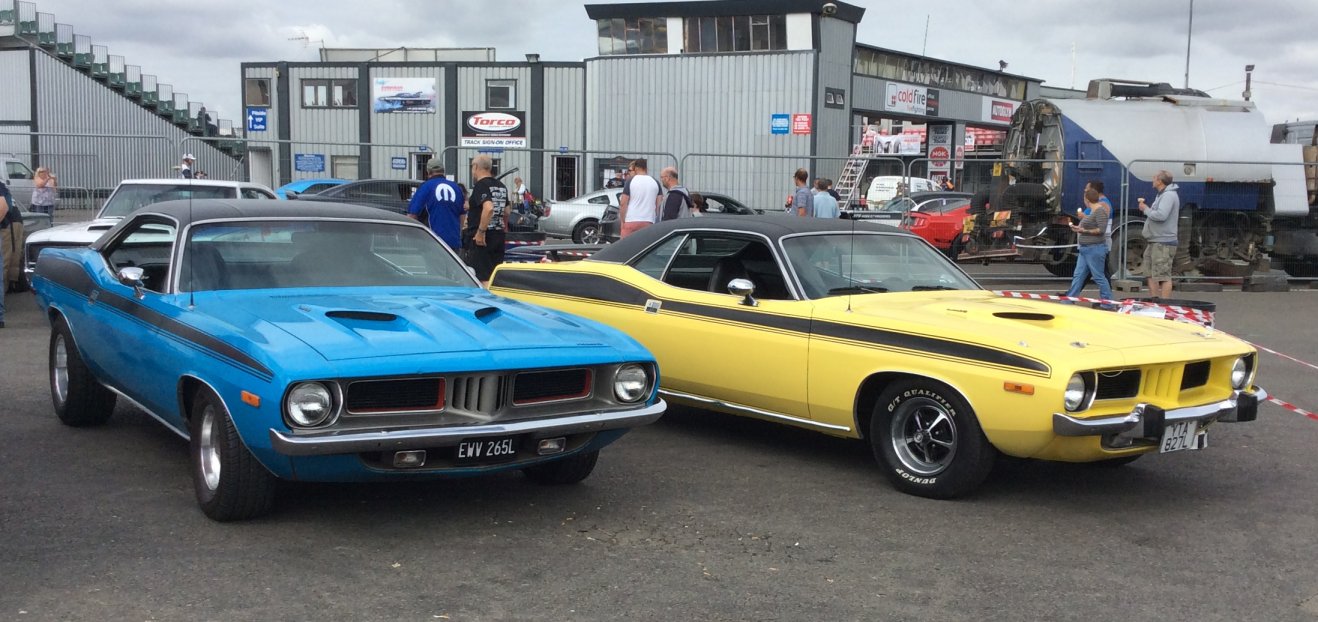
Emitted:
pixel 698 517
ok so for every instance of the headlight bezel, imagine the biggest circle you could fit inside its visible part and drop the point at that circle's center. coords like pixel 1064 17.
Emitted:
pixel 1242 368
pixel 642 390
pixel 1085 399
pixel 295 417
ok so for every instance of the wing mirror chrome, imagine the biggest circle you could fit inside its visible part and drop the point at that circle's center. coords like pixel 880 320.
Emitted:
pixel 743 288
pixel 132 277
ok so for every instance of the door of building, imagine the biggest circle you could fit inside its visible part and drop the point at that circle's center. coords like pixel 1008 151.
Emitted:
pixel 419 161
pixel 565 178
pixel 260 167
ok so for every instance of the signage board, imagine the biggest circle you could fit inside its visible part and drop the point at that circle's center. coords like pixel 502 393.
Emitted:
pixel 780 124
pixel 998 110
pixel 911 99
pixel 256 119
pixel 398 163
pixel 493 128
pixel 801 123
pixel 309 162
pixel 403 95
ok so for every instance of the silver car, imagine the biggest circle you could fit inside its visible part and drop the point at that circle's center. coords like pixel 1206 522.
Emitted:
pixel 579 217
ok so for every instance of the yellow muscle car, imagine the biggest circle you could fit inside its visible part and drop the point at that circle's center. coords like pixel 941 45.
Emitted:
pixel 866 331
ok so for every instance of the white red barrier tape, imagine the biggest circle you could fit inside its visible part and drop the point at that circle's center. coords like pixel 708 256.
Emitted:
pixel 1130 307
pixel 523 243
pixel 1285 356
pixel 1016 241
pixel 1293 408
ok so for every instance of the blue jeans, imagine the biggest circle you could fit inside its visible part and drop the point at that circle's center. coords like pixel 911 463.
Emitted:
pixel 1092 262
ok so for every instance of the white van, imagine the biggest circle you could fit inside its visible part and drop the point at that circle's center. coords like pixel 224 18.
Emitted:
pixel 18 177
pixel 884 188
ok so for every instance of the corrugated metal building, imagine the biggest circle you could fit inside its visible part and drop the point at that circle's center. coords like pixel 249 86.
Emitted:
pixel 59 88
pixel 783 80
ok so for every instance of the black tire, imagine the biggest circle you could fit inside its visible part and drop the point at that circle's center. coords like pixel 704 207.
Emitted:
pixel 928 441
pixel 231 484
pixel 1135 244
pixel 566 471
pixel 79 399
pixel 586 232
pixel 1063 268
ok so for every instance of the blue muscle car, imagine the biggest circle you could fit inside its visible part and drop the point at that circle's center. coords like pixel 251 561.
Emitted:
pixel 327 342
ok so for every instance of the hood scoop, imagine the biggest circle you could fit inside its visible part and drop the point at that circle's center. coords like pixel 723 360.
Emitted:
pixel 99 227
pixel 487 314
pixel 363 316
pixel 1025 315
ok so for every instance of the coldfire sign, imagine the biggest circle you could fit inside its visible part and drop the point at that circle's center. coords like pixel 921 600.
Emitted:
pixel 493 129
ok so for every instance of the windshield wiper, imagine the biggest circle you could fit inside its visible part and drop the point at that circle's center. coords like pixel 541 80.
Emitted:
pixel 856 289
pixel 931 288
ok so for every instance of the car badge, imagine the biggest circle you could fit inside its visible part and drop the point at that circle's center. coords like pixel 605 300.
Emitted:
pixel 1079 344
pixel 652 306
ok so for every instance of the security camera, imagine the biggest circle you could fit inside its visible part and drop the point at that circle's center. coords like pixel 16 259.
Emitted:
pixel 829 8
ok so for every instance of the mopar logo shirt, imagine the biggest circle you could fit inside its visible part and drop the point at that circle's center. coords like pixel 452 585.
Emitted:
pixel 441 201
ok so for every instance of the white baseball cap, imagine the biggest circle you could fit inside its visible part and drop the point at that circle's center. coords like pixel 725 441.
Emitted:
pixel 188 156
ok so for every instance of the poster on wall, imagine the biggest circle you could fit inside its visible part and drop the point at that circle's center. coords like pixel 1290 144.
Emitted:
pixel 410 95
pixel 998 110
pixel 911 99
pixel 486 128
pixel 940 151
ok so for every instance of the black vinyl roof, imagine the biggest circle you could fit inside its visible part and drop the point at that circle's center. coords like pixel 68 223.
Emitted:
pixel 188 212
pixel 771 226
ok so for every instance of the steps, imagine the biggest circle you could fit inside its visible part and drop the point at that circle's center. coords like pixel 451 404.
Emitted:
pixel 848 181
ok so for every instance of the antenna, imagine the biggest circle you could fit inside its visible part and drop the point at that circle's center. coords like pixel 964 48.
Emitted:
pixel 924 46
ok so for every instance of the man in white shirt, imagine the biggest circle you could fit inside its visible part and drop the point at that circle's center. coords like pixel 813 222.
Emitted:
pixel 639 203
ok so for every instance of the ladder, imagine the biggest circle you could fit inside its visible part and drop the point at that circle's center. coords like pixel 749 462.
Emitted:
pixel 848 183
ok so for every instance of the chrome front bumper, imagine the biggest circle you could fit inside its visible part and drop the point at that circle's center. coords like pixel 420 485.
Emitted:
pixel 1148 421
pixel 330 443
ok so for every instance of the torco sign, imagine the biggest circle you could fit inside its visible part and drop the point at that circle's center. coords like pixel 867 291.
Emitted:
pixel 493 129
pixel 911 99
pixel 998 110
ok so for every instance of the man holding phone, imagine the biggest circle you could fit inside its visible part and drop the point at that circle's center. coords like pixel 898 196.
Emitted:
pixel 1160 225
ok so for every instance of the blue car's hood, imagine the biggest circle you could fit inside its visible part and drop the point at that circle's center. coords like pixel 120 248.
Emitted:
pixel 352 325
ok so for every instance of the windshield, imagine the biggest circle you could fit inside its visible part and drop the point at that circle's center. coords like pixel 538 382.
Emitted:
pixel 310 253
pixel 838 264
pixel 899 205
pixel 132 196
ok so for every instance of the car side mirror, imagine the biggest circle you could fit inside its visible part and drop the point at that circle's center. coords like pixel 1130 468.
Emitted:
pixel 132 277
pixel 743 288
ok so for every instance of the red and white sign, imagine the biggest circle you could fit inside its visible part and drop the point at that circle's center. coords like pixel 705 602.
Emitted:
pixel 493 129
pixel 960 157
pixel 940 150
pixel 801 123
pixel 998 110
pixel 938 156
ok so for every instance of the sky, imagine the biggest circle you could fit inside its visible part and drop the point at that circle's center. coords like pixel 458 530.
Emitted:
pixel 198 49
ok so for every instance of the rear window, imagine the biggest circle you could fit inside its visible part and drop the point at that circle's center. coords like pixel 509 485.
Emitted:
pixel 129 197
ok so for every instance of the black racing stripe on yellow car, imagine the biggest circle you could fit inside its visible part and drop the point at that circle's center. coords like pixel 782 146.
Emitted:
pixel 580 285
pixel 75 278
pixel 573 284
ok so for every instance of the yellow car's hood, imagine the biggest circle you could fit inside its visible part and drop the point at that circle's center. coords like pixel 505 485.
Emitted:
pixel 1036 329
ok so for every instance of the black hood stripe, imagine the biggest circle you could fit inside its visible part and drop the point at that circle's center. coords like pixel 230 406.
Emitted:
pixel 580 285
pixel 75 278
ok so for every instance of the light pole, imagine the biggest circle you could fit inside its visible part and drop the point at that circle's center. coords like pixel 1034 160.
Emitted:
pixel 1249 75
pixel 1189 32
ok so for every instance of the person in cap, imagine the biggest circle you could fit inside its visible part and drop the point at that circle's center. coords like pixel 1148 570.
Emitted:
pixel 185 169
pixel 439 204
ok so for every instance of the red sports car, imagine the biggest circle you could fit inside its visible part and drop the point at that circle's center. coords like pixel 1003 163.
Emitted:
pixel 940 223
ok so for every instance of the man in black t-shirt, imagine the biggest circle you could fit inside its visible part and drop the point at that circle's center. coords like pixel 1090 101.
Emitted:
pixel 483 235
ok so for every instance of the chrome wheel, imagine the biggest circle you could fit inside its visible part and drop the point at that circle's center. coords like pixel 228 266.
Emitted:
pixel 590 234
pixel 924 436
pixel 59 370
pixel 208 448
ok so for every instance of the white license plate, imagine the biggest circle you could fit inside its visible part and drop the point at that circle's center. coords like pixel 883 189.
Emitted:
pixel 1180 435
pixel 487 450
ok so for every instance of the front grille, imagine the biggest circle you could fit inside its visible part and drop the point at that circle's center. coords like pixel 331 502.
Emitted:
pixel 1158 382
pixel 400 395
pixel 1115 385
pixel 1196 375
pixel 549 386
pixel 478 394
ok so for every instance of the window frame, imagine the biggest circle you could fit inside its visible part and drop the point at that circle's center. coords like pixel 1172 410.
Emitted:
pixel 262 93
pixel 171 260
pixel 348 86
pixel 496 83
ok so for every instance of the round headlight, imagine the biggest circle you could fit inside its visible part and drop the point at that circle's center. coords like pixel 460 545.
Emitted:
pixel 630 382
pixel 309 404
pixel 1239 374
pixel 1074 397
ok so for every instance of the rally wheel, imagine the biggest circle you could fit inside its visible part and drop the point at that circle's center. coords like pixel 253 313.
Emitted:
pixel 79 399
pixel 231 484
pixel 928 441
pixel 586 232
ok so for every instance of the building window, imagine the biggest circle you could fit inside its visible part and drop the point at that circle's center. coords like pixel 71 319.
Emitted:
pixel 329 93
pixel 500 94
pixel 256 91
pixel 740 33
pixel 634 35
pixel 344 166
